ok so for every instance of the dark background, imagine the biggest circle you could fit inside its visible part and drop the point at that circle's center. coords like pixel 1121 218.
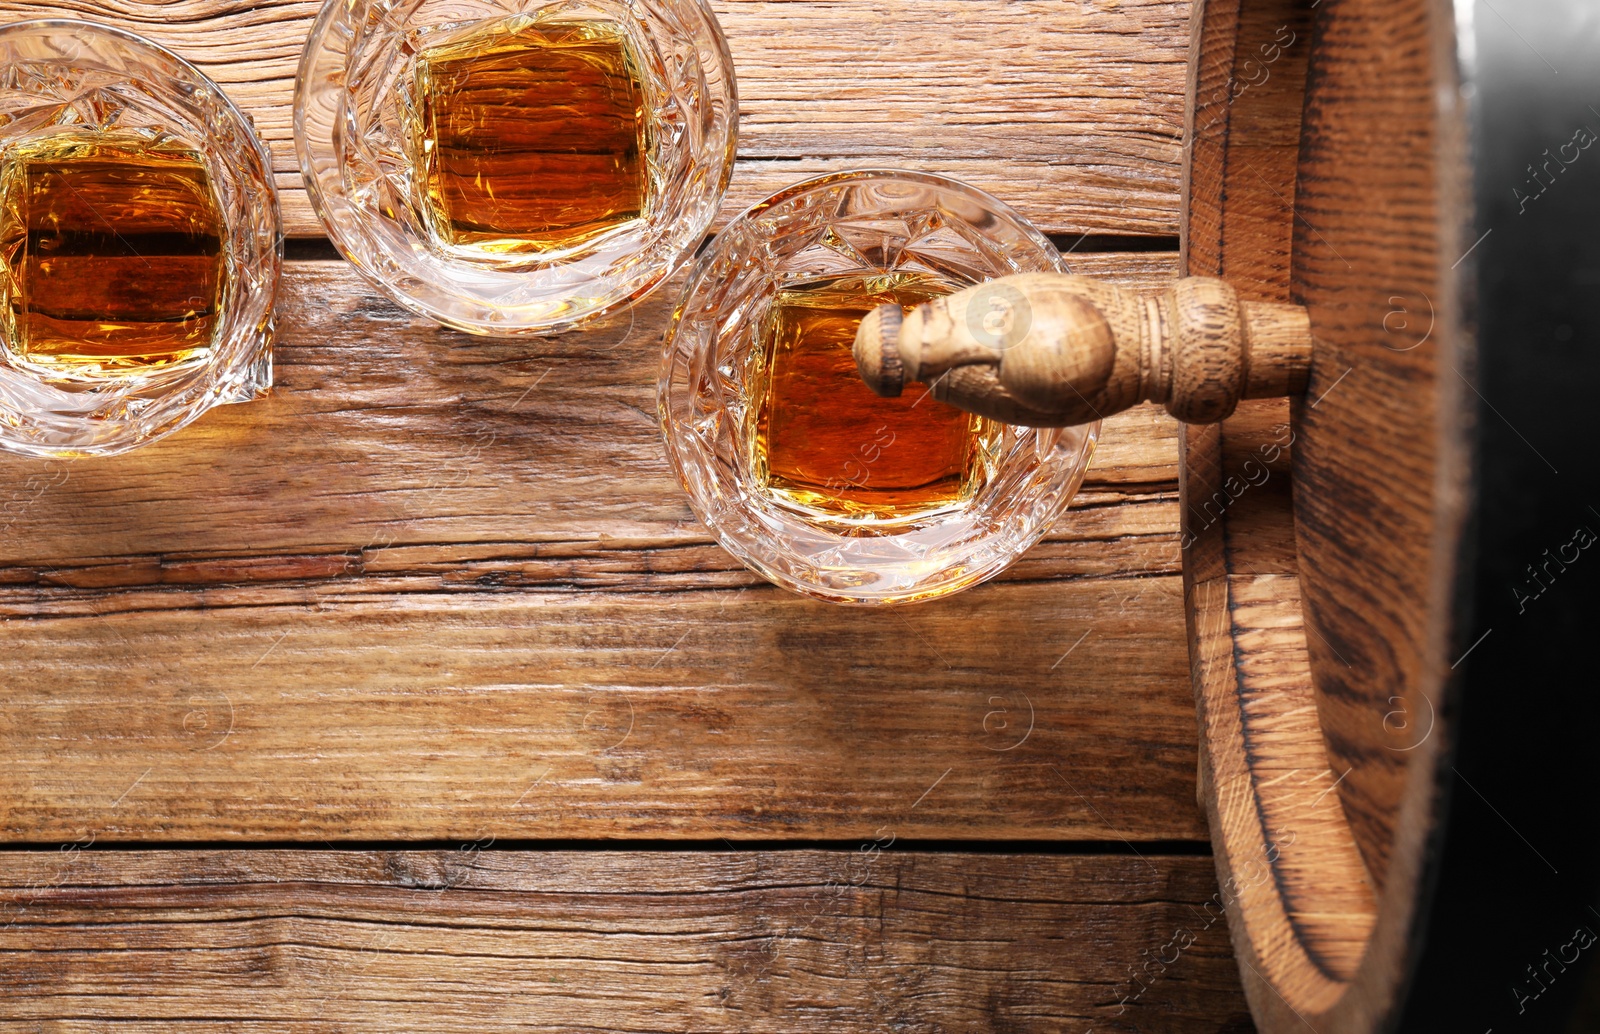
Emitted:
pixel 1522 846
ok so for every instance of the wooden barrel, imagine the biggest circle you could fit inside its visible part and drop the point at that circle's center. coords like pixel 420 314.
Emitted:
pixel 1330 557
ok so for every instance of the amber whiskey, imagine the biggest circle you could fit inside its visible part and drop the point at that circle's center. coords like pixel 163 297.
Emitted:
pixel 824 441
pixel 528 137
pixel 111 253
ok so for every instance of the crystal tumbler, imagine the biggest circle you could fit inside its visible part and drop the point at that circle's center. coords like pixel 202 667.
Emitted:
pixel 802 472
pixel 139 242
pixel 516 168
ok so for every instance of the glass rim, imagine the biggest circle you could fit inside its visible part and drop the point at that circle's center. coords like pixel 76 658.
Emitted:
pixel 134 38
pixel 868 173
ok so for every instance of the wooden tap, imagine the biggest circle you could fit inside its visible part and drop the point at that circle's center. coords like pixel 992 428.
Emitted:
pixel 1051 350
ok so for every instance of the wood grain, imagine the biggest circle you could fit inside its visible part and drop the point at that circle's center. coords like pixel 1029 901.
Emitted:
pixel 1077 349
pixel 431 571
pixel 1302 909
pixel 1380 593
pixel 1301 906
pixel 869 940
pixel 1300 903
pixel 1317 617
pixel 441 587
pixel 384 430
pixel 1075 119
pixel 1379 239
pixel 699 714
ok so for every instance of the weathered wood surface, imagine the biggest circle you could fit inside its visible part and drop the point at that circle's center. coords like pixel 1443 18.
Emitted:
pixel 1384 431
pixel 384 430
pixel 863 940
pixel 438 586
pixel 1075 118
pixel 1319 608
pixel 1301 906
pixel 553 714
pixel 1300 903
pixel 1385 297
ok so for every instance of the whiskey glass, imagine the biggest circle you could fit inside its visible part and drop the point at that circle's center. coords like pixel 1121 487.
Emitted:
pixel 791 461
pixel 139 242
pixel 512 168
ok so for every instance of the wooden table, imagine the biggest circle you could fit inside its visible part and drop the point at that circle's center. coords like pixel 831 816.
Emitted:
pixel 414 698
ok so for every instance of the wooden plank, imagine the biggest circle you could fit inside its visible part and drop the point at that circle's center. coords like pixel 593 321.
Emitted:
pixel 431 571
pixel 863 940
pixel 698 714
pixel 1075 118
pixel 386 430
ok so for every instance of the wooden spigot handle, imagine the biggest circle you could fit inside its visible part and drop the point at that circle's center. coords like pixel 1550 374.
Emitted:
pixel 1051 350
